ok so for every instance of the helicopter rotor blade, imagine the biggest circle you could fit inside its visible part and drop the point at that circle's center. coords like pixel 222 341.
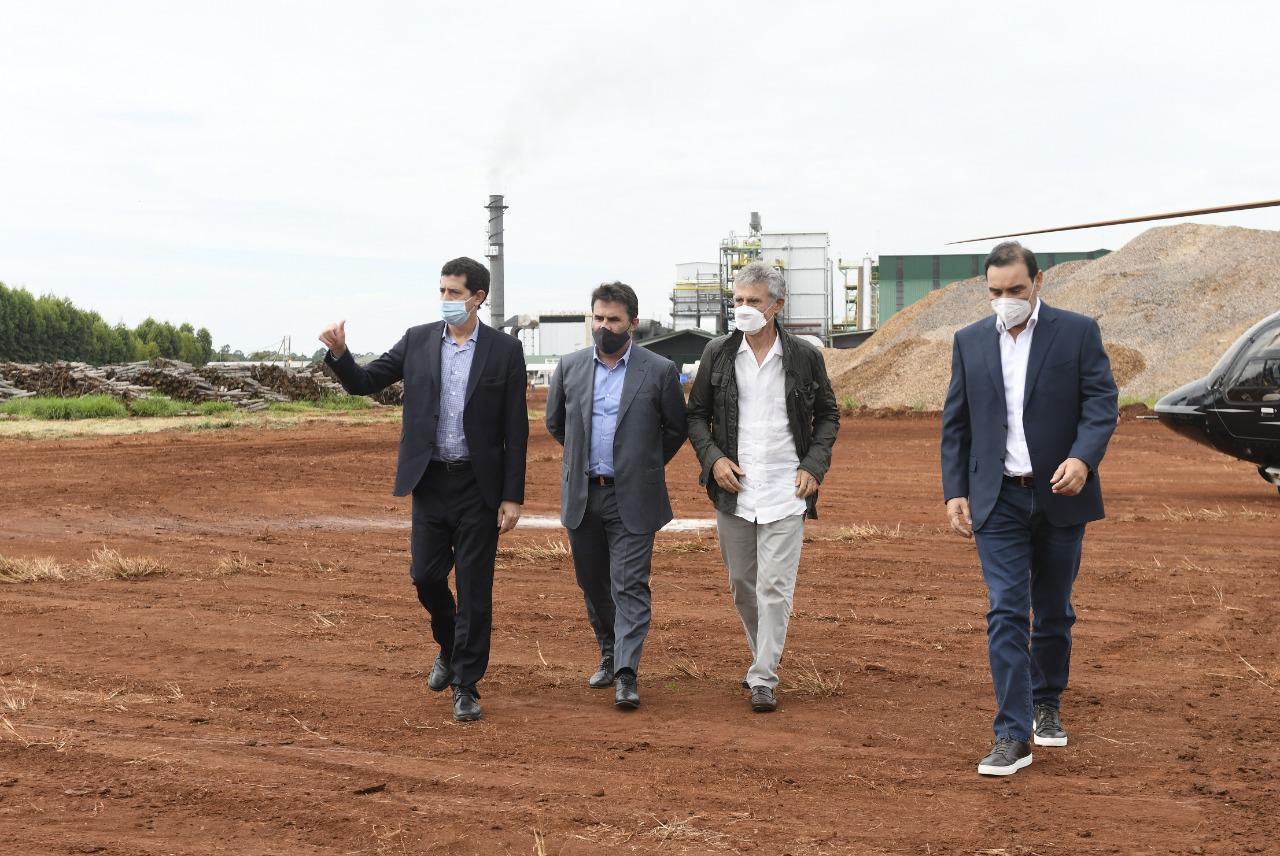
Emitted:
pixel 1244 206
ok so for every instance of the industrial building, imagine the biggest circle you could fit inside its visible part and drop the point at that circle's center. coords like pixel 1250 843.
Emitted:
pixel 702 298
pixel 697 301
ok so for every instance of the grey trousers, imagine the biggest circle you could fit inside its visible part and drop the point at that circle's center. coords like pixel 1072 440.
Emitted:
pixel 612 566
pixel 762 559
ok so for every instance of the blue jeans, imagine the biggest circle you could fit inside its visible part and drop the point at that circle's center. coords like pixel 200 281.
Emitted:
pixel 1029 566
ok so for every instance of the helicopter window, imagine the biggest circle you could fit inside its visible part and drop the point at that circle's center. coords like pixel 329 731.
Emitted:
pixel 1256 376
pixel 1258 379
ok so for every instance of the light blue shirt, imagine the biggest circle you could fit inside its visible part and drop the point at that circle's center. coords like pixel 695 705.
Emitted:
pixel 455 369
pixel 604 412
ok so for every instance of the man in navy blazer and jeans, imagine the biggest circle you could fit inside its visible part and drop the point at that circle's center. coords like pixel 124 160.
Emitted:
pixel 1029 412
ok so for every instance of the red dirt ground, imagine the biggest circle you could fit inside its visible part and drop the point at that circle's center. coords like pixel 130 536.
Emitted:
pixel 287 712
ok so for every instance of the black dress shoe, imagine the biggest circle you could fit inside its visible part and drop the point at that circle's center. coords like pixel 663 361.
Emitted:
pixel 603 677
pixel 1047 727
pixel 625 694
pixel 763 700
pixel 1006 758
pixel 466 707
pixel 441 674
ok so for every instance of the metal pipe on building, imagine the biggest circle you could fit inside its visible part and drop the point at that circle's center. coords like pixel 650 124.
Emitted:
pixel 497 302
pixel 867 321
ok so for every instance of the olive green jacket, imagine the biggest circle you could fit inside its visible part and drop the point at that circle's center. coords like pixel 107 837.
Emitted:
pixel 713 411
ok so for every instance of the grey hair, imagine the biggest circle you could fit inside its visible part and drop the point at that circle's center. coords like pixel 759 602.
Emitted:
pixel 759 273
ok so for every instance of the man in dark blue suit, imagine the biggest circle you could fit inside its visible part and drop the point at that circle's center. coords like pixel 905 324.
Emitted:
pixel 462 456
pixel 1029 412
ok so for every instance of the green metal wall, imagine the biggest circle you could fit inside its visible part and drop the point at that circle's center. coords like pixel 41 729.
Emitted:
pixel 906 279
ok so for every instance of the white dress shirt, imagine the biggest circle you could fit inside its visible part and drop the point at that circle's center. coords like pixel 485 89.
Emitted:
pixel 766 449
pixel 1014 354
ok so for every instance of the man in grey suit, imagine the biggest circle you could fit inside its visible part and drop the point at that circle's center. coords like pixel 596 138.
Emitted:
pixel 618 410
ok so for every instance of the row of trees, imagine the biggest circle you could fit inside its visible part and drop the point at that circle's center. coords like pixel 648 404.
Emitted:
pixel 44 329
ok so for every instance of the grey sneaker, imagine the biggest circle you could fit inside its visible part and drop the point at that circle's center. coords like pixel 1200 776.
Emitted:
pixel 763 700
pixel 1046 726
pixel 1007 757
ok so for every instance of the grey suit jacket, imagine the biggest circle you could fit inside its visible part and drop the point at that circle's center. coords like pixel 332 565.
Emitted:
pixel 651 429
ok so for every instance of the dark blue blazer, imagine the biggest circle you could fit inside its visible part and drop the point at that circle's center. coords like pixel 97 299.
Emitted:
pixel 495 416
pixel 1069 411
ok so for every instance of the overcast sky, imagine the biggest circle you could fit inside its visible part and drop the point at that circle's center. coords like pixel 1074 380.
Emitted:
pixel 262 168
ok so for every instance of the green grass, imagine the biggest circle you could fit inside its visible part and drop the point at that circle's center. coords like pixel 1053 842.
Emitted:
pixel 215 424
pixel 106 407
pixel 849 403
pixel 1149 402
pixel 329 402
pixel 159 405
pixel 84 407
pixel 345 402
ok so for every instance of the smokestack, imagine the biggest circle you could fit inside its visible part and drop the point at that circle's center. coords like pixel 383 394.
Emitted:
pixel 497 303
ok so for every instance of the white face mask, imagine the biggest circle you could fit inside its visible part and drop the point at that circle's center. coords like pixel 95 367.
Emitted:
pixel 748 319
pixel 1012 310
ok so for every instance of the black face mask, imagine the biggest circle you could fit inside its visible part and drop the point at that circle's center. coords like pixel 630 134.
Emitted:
pixel 609 342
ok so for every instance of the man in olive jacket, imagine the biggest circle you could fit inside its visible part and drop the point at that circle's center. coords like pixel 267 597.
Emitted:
pixel 762 420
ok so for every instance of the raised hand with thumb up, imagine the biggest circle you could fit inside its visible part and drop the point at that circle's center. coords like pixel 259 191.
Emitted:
pixel 334 338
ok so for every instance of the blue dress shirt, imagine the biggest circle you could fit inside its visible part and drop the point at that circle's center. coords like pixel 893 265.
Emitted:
pixel 455 369
pixel 604 412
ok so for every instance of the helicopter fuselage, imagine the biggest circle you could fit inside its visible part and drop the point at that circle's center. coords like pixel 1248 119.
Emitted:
pixel 1235 409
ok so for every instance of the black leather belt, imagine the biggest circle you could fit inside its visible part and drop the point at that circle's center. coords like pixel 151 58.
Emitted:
pixel 449 466
pixel 1022 481
pixel 602 481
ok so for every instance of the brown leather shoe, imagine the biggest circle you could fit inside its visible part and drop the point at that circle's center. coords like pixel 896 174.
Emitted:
pixel 763 700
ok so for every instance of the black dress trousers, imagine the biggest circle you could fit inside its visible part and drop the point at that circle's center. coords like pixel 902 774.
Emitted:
pixel 454 528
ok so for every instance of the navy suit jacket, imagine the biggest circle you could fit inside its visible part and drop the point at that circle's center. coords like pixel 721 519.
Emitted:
pixel 1069 411
pixel 495 416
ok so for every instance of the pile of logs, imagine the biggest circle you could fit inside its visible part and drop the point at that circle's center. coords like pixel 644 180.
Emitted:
pixel 296 384
pixel 9 392
pixel 63 380
pixel 250 387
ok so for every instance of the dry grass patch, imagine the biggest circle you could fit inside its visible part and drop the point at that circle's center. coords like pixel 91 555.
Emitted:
pixel 1196 515
pixel 687 545
pixel 109 564
pixel 238 563
pixel 10 733
pixel 683 829
pixel 808 679
pixel 861 532
pixel 17 697
pixel 552 549
pixel 326 620
pixel 118 698
pixel 688 667
pixel 30 570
